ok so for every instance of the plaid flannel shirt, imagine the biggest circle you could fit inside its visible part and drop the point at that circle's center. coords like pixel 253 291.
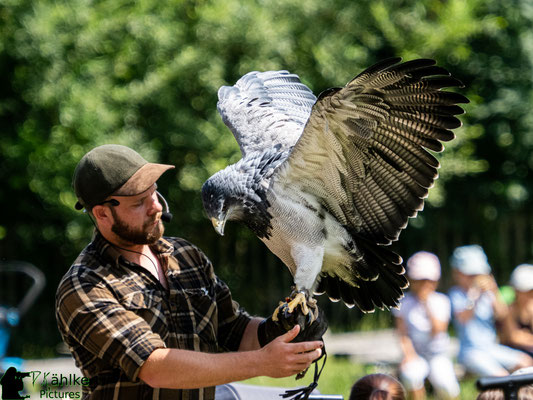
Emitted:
pixel 112 314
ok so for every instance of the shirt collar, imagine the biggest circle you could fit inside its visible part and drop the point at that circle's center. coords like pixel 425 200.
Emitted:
pixel 162 248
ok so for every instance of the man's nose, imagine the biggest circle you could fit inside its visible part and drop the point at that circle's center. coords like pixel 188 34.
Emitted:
pixel 156 205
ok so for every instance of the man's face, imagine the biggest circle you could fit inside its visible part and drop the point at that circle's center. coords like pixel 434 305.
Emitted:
pixel 137 219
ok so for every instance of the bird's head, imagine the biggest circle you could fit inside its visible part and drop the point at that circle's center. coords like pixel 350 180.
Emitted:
pixel 222 201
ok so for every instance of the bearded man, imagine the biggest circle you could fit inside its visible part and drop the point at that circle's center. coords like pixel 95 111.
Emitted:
pixel 145 316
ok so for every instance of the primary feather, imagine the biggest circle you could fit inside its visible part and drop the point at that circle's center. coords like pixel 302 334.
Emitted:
pixel 328 183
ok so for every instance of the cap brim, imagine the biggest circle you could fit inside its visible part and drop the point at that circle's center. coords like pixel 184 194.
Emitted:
pixel 141 180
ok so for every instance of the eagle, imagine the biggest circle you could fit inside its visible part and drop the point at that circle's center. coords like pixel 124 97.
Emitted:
pixel 328 183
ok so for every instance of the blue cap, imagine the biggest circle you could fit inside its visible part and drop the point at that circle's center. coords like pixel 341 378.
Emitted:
pixel 470 260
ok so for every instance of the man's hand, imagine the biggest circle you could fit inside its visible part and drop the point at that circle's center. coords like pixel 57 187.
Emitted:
pixel 268 329
pixel 281 358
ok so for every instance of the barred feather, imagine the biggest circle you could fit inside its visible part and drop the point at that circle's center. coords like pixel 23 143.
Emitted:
pixel 378 128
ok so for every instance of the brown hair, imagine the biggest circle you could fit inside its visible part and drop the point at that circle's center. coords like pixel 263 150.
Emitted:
pixel 377 387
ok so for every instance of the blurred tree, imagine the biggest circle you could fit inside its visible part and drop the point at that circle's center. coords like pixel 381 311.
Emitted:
pixel 76 74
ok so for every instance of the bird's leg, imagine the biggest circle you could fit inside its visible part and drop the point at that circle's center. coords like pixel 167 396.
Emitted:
pixel 299 298
pixel 308 260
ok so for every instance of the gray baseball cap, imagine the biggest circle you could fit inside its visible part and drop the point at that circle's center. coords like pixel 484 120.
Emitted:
pixel 113 169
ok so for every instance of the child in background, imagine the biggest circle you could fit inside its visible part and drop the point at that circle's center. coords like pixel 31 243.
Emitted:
pixel 377 387
pixel 422 323
pixel 519 332
pixel 477 305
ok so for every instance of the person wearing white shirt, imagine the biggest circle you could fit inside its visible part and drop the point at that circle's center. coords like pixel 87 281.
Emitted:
pixel 422 323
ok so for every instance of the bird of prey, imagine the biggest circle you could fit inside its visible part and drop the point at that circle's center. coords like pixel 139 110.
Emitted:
pixel 327 183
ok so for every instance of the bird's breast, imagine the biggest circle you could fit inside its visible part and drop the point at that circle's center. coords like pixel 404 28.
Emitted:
pixel 295 220
pixel 299 221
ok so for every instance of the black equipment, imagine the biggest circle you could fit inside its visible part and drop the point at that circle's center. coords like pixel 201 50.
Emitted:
pixel 509 384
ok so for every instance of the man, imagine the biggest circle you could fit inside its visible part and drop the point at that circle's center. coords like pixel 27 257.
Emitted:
pixel 422 323
pixel 477 307
pixel 146 316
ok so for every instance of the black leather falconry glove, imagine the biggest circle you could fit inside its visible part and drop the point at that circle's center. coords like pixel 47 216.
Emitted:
pixel 312 327
pixel 269 329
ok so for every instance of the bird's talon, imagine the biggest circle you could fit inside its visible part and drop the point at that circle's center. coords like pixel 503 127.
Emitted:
pixel 312 302
pixel 281 306
pixel 298 299
pixel 275 315
pixel 305 309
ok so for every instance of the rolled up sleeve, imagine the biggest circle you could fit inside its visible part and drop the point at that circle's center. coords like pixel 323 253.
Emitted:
pixel 232 319
pixel 90 316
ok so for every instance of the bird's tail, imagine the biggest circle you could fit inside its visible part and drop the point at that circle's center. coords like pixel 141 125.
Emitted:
pixel 377 278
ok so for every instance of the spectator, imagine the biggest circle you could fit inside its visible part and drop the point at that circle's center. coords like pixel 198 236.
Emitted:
pixel 519 333
pixel 476 306
pixel 377 387
pixel 422 323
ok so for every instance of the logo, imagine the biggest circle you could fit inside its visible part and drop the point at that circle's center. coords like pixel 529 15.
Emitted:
pixel 49 385
pixel 12 384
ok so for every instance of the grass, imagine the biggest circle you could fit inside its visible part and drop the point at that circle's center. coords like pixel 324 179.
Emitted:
pixel 338 376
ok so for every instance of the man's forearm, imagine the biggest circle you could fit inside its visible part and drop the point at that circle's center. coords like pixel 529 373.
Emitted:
pixel 186 369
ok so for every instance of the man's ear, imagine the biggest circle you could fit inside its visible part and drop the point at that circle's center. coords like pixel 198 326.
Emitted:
pixel 102 214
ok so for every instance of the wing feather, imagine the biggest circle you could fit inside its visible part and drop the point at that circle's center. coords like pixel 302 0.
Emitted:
pixel 363 150
pixel 264 109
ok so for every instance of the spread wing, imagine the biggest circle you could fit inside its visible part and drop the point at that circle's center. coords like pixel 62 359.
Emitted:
pixel 363 150
pixel 264 109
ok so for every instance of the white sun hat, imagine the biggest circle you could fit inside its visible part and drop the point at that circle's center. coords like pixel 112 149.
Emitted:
pixel 423 265
pixel 522 278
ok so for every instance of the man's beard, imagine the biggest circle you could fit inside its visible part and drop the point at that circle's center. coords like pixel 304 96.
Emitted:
pixel 149 234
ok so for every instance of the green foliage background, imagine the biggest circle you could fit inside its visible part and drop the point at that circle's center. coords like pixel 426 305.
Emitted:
pixel 80 73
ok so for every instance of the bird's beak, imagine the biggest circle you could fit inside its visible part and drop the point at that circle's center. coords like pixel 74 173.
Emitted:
pixel 218 225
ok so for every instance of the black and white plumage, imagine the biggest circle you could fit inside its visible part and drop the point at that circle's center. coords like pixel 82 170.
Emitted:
pixel 328 183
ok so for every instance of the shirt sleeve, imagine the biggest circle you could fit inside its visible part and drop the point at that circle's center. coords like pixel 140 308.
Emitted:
pixel 232 318
pixel 89 315
pixel 458 300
